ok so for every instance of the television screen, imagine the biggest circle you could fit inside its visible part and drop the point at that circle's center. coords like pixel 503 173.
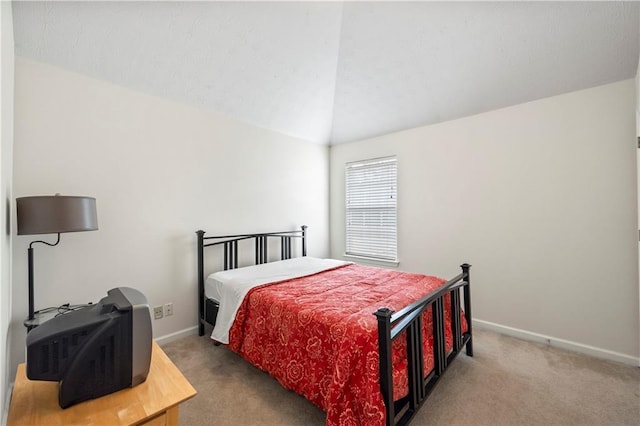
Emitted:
pixel 95 350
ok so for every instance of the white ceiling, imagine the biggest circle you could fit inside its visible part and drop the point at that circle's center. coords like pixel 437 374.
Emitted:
pixel 334 72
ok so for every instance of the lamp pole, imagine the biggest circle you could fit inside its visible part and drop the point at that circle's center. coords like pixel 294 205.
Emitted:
pixel 30 251
pixel 30 267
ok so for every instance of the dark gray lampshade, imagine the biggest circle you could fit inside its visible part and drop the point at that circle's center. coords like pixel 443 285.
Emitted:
pixel 51 214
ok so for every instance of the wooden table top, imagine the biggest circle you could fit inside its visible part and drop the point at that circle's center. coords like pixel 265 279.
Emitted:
pixel 36 402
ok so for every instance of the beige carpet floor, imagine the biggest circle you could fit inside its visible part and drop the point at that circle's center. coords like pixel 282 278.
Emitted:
pixel 507 382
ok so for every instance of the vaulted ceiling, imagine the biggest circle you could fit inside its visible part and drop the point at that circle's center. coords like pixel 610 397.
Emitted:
pixel 334 72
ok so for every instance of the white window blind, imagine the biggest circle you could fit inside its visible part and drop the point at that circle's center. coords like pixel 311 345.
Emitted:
pixel 371 201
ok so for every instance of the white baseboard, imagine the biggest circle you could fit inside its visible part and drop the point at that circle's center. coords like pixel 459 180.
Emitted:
pixel 162 340
pixel 558 343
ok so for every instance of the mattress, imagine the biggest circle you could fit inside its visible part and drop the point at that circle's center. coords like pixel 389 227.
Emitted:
pixel 229 288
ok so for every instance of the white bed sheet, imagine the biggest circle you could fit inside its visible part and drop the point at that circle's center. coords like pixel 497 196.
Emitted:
pixel 230 287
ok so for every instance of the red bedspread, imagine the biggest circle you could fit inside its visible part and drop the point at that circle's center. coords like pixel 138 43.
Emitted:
pixel 317 336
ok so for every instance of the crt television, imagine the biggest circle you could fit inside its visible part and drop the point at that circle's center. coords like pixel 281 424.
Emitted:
pixel 95 350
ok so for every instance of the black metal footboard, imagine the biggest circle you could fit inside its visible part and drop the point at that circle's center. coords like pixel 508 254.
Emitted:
pixel 230 260
pixel 392 325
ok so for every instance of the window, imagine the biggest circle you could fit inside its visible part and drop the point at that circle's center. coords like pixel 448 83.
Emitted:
pixel 371 200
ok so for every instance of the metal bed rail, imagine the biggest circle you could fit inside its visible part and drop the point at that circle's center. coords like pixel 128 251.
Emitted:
pixel 408 321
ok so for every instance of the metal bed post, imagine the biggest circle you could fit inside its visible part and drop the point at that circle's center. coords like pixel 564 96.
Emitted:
pixel 467 306
pixel 285 247
pixel 386 364
pixel 304 239
pixel 230 259
pixel 261 249
pixel 415 361
pixel 439 355
pixel 200 250
pixel 456 327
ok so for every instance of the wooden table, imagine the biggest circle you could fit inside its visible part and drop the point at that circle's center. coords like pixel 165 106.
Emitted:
pixel 154 402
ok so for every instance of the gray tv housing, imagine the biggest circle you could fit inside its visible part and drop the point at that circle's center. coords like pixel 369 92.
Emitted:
pixel 95 350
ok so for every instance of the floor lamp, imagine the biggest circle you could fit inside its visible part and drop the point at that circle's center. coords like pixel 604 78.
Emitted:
pixel 52 214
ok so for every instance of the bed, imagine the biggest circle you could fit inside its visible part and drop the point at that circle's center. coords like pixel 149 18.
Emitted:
pixel 367 345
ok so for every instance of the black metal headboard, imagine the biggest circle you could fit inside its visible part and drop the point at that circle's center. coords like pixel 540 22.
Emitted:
pixel 230 257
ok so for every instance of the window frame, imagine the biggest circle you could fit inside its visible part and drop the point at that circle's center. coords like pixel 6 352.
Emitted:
pixel 370 206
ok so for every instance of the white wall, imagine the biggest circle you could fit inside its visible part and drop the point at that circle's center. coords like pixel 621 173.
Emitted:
pixel 159 171
pixel 540 198
pixel 6 170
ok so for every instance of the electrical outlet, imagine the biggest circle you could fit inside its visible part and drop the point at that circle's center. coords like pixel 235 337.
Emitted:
pixel 168 309
pixel 157 312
